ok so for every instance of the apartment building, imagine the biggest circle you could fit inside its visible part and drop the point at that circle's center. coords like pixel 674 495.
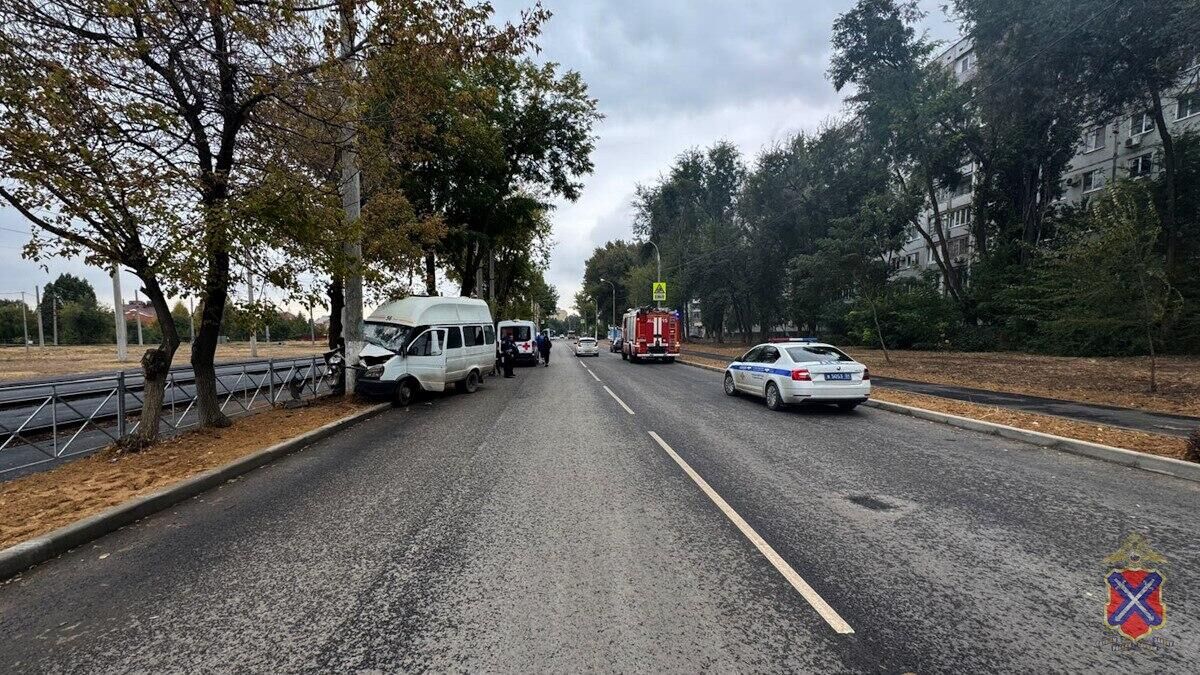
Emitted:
pixel 1124 147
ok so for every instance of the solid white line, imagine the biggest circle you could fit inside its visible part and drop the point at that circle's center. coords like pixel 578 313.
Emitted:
pixel 610 393
pixel 835 621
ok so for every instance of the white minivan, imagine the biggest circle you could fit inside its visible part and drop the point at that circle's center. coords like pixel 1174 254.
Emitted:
pixel 523 333
pixel 426 344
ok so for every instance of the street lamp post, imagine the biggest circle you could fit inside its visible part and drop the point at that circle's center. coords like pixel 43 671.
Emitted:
pixel 658 263
pixel 614 312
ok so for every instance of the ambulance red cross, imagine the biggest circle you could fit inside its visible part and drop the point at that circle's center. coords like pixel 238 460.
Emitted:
pixel 799 371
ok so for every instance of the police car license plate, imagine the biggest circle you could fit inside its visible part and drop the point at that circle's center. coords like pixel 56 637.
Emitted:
pixel 837 376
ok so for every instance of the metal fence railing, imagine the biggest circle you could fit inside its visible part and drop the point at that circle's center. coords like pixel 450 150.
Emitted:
pixel 53 420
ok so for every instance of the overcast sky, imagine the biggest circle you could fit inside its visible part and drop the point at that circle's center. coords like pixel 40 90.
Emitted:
pixel 669 75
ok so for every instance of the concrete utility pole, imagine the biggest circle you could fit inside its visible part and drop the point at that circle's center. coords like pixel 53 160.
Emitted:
pixel 191 320
pixel 137 304
pixel 24 322
pixel 37 297
pixel 312 327
pixel 119 304
pixel 54 314
pixel 350 186
pixel 250 299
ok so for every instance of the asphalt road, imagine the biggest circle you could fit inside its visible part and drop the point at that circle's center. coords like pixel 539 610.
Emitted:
pixel 1108 415
pixel 538 526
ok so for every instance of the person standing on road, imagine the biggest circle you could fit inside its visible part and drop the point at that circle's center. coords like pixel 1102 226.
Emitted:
pixel 543 345
pixel 508 354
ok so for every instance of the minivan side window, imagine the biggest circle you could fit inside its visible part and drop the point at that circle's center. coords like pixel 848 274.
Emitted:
pixel 454 338
pixel 489 335
pixel 425 344
pixel 472 336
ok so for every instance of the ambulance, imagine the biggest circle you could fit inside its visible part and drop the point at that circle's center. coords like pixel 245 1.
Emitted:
pixel 650 334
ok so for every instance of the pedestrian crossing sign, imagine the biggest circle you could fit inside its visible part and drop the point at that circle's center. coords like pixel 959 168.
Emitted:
pixel 660 291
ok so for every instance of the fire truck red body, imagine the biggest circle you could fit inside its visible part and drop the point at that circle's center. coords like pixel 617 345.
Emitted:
pixel 650 334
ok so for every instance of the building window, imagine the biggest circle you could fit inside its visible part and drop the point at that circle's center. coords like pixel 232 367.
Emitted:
pixel 967 63
pixel 1141 123
pixel 1094 180
pixel 1141 166
pixel 957 248
pixel 1187 105
pixel 964 186
pixel 1093 139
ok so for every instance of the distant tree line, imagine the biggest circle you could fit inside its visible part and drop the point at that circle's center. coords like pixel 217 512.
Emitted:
pixel 810 232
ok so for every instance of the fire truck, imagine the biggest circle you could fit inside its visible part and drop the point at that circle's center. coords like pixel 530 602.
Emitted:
pixel 650 334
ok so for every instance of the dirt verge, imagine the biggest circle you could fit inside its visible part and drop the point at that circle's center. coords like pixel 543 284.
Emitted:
pixel 40 503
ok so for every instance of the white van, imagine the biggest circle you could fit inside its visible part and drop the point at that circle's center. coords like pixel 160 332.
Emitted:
pixel 523 333
pixel 426 344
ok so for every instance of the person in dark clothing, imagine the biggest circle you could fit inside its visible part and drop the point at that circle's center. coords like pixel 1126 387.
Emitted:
pixel 508 355
pixel 543 345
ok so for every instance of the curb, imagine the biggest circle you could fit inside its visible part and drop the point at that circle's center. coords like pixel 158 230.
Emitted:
pixel 1138 460
pixel 26 554
pixel 1130 458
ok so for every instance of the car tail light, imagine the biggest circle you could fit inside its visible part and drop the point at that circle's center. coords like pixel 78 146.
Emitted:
pixel 801 375
pixel 866 374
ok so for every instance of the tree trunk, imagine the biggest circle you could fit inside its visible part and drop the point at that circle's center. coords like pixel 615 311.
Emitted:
pixel 1168 148
pixel 879 331
pixel 156 366
pixel 337 301
pixel 939 248
pixel 204 349
pixel 430 274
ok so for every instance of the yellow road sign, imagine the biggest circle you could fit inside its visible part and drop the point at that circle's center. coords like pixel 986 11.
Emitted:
pixel 660 291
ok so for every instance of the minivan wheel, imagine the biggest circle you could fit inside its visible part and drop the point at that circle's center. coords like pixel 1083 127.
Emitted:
pixel 406 393
pixel 774 400
pixel 730 386
pixel 471 384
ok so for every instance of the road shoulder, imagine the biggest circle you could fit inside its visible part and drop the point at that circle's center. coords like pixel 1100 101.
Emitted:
pixel 1150 452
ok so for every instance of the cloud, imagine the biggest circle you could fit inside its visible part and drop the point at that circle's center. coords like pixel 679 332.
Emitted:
pixel 669 75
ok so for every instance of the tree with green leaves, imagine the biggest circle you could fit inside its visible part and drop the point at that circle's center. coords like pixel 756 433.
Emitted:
pixel 1106 284
pixel 912 111
pixel 523 138
pixel 691 215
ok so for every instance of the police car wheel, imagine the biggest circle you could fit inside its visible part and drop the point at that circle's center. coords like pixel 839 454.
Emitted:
pixel 730 386
pixel 774 400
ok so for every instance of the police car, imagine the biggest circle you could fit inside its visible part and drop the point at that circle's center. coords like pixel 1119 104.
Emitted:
pixel 799 371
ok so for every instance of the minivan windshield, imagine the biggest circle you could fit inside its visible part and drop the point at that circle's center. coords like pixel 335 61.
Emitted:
pixel 818 354
pixel 387 335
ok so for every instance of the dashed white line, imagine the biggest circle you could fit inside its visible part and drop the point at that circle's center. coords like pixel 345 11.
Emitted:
pixel 618 400
pixel 835 621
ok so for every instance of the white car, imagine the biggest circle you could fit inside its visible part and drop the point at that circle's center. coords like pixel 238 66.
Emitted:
pixel 799 371
pixel 587 347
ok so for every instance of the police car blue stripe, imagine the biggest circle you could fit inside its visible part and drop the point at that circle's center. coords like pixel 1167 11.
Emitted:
pixel 762 369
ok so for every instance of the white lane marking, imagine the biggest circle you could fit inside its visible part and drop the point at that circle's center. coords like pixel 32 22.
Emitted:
pixel 835 621
pixel 618 400
pixel 593 375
